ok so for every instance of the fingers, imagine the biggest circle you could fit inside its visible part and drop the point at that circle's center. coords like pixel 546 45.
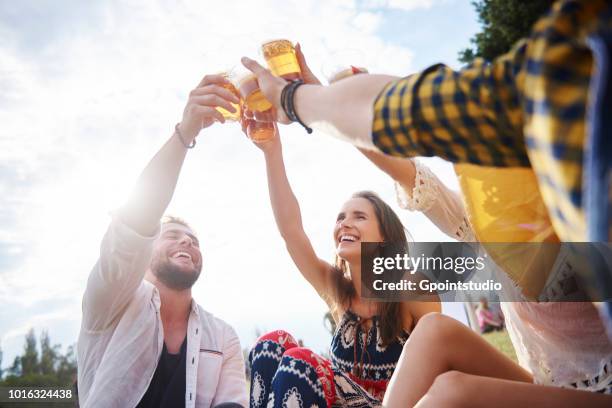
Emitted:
pixel 217 90
pixel 205 113
pixel 300 57
pixel 254 67
pixel 208 111
pixel 309 77
pixel 213 79
pixel 244 123
pixel 213 95
pixel 213 101
pixel 249 114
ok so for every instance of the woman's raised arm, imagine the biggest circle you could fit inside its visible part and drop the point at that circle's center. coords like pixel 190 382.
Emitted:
pixel 288 219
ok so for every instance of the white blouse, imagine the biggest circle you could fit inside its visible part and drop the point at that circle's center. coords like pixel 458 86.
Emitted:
pixel 440 204
pixel 560 343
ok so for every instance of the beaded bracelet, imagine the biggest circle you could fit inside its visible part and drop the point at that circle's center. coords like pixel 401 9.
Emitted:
pixel 180 136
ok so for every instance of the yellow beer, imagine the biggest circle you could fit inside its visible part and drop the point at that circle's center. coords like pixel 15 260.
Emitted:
pixel 260 131
pixel 254 100
pixel 234 116
pixel 260 125
pixel 281 59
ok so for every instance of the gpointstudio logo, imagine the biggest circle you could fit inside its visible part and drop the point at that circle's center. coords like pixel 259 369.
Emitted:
pixel 454 271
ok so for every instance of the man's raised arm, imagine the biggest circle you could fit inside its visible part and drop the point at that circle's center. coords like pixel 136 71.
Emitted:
pixel 125 253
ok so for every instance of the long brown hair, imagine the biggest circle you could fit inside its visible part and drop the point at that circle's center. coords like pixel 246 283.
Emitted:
pixel 392 230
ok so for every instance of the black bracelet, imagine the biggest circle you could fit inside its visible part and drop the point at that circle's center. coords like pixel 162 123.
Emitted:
pixel 287 103
pixel 286 95
pixel 284 101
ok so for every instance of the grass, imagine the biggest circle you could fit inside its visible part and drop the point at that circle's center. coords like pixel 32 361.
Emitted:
pixel 501 341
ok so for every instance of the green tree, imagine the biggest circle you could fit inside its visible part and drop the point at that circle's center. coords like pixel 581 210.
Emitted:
pixel 49 368
pixel 29 359
pixel 48 354
pixel 15 368
pixel 65 370
pixel 504 22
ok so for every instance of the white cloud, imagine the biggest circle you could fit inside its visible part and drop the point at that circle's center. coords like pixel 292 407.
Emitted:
pixel 404 5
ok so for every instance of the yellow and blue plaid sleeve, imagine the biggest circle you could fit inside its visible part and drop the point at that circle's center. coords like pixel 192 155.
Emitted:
pixel 529 107
pixel 556 83
pixel 472 115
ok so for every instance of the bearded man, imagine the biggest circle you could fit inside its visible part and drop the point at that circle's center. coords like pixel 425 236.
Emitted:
pixel 144 341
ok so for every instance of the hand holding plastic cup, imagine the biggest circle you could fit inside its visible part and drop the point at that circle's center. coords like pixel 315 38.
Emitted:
pixel 258 115
pixel 248 87
pixel 259 126
pixel 231 116
pixel 281 59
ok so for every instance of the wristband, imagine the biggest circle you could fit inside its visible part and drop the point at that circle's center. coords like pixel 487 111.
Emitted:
pixel 287 103
pixel 178 133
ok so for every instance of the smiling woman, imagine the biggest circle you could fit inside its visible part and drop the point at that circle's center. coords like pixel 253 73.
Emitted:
pixel 370 335
pixel 354 225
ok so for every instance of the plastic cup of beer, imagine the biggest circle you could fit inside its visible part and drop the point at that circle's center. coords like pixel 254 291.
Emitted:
pixel 343 64
pixel 345 73
pixel 261 125
pixel 281 59
pixel 259 131
pixel 252 96
pixel 231 116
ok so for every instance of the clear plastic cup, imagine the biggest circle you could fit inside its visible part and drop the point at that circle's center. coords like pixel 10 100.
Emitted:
pixel 281 59
pixel 343 64
pixel 345 73
pixel 261 125
pixel 260 131
pixel 253 98
pixel 231 116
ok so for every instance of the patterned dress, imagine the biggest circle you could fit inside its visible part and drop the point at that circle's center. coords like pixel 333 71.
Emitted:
pixel 286 375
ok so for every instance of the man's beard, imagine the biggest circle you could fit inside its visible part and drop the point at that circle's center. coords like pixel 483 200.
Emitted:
pixel 173 276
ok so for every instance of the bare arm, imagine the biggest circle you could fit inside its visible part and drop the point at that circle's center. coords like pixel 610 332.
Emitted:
pixel 399 169
pixel 418 115
pixel 125 252
pixel 344 109
pixel 288 219
pixel 155 187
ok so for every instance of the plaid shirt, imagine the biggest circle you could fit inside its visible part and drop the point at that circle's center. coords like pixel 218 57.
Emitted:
pixel 527 108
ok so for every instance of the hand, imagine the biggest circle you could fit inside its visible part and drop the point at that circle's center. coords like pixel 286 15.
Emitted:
pixel 270 85
pixel 200 110
pixel 307 75
pixel 250 117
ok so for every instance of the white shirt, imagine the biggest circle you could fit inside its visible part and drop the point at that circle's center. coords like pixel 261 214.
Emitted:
pixel 121 337
pixel 437 202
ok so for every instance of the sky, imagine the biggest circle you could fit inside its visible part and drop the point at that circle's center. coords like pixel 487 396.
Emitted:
pixel 90 90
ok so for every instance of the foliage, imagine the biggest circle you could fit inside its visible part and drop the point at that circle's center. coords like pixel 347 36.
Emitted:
pixel 42 367
pixel 504 22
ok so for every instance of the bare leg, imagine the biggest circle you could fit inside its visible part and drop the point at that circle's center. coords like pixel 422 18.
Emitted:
pixel 440 344
pixel 456 389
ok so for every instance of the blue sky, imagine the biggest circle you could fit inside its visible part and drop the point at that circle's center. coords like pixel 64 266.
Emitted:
pixel 90 90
